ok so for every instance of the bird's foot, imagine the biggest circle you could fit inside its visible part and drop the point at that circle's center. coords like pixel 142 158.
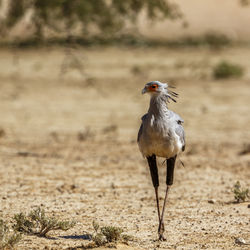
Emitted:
pixel 161 231
pixel 161 237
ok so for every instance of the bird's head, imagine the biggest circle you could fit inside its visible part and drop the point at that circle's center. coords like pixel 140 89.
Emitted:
pixel 156 88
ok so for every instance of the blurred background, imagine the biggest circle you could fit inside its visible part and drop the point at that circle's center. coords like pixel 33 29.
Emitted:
pixel 71 74
pixel 91 47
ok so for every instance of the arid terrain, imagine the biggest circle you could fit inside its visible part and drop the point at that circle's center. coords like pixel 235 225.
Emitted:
pixel 68 128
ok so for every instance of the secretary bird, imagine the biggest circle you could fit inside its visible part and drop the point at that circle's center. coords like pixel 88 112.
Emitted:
pixel 161 134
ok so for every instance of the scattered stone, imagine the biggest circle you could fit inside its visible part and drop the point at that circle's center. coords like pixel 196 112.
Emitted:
pixel 212 201
pixel 240 241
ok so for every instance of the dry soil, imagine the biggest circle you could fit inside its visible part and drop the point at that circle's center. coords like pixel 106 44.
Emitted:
pixel 69 122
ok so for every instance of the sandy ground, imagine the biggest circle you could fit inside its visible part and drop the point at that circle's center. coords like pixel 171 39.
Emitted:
pixel 69 121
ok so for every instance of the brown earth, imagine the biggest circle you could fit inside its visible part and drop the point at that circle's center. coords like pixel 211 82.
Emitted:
pixel 69 121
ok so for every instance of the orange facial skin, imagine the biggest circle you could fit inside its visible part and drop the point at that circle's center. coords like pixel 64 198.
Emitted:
pixel 153 87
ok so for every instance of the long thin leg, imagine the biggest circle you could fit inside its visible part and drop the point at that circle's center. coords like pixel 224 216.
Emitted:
pixel 158 210
pixel 155 180
pixel 161 230
pixel 169 182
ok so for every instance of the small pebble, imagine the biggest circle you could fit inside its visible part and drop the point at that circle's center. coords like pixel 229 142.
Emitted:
pixel 212 201
pixel 240 241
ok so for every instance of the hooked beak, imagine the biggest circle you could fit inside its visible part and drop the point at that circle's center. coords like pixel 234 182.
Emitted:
pixel 145 90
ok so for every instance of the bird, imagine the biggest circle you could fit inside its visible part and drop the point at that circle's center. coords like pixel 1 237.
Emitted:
pixel 161 134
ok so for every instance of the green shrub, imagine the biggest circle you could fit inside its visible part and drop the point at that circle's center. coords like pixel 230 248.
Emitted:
pixel 227 70
pixel 216 40
pixel 210 39
pixel 8 239
pixel 108 236
pixel 111 233
pixel 240 194
pixel 36 222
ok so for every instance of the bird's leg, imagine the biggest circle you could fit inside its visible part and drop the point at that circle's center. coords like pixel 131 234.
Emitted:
pixel 158 209
pixel 169 182
pixel 155 180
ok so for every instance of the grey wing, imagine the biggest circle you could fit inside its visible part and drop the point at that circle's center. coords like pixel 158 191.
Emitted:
pixel 178 118
pixel 141 127
pixel 179 130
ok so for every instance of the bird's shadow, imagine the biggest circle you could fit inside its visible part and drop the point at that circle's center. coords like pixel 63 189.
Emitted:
pixel 77 237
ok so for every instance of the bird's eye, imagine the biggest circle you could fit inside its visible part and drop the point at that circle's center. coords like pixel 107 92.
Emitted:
pixel 153 87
